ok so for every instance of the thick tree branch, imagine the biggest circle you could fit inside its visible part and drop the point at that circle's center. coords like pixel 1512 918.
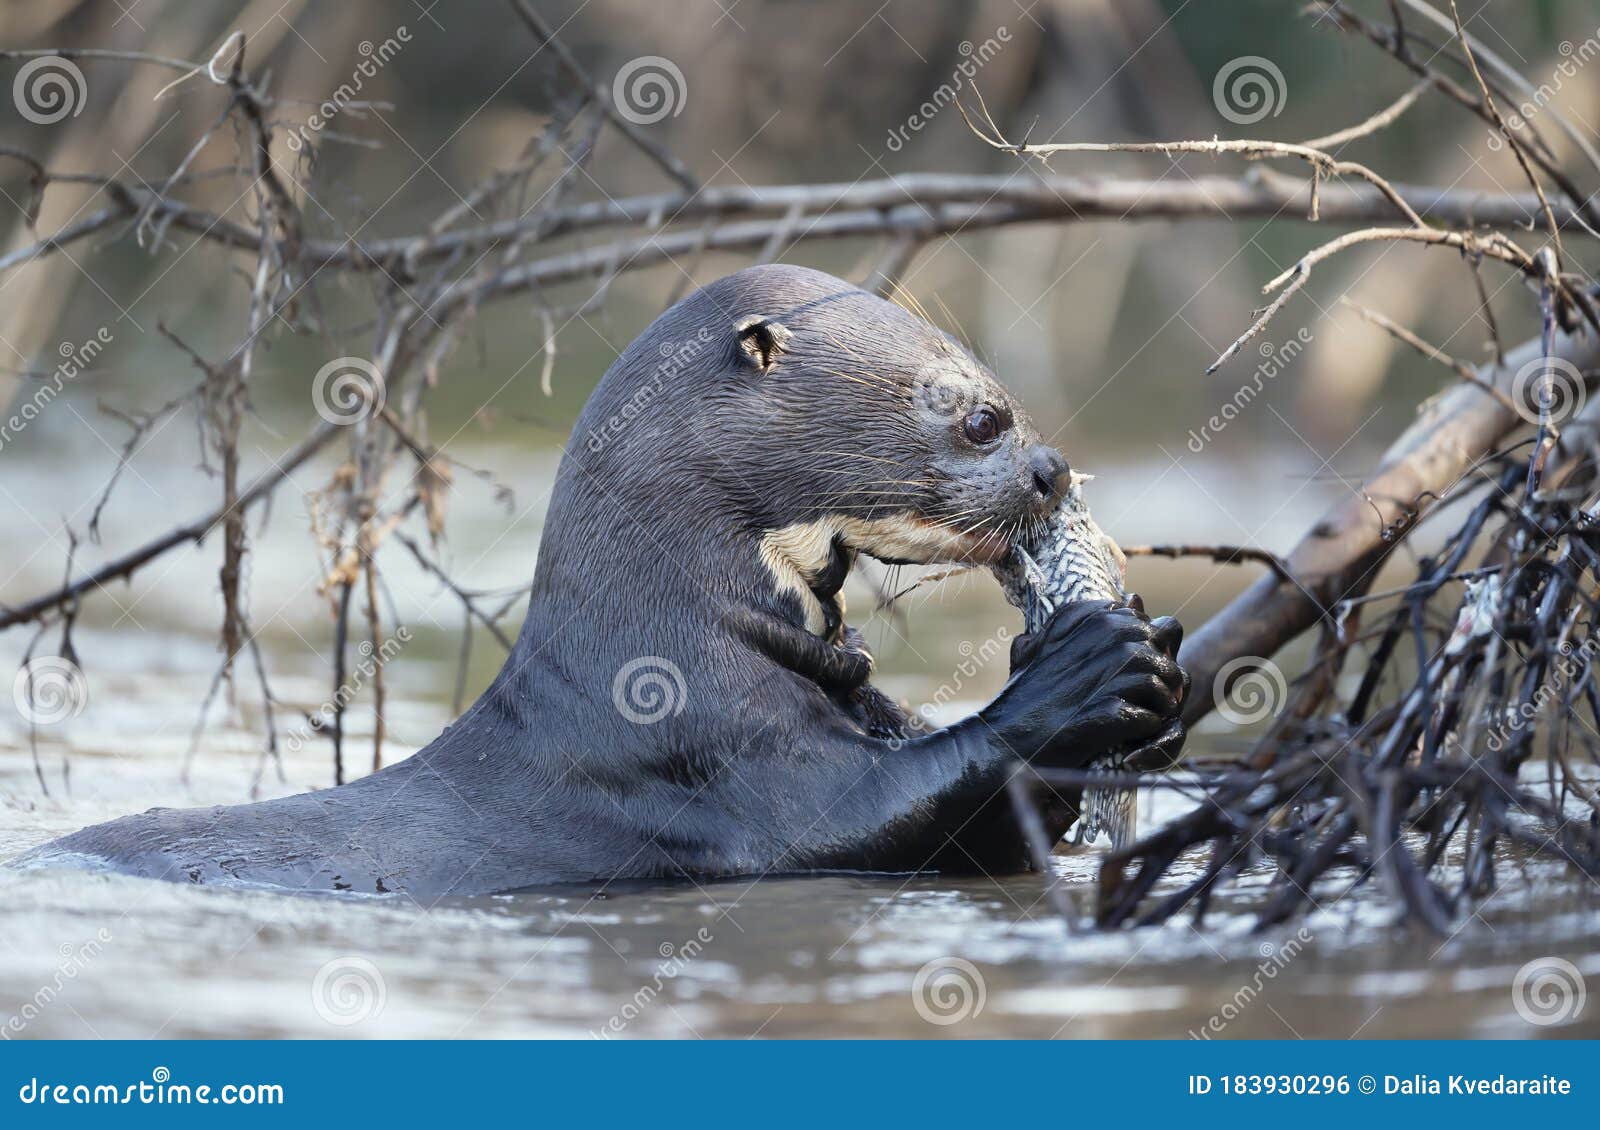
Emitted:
pixel 977 202
pixel 1341 554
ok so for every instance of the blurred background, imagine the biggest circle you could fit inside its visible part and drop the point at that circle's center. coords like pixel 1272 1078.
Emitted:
pixel 1103 327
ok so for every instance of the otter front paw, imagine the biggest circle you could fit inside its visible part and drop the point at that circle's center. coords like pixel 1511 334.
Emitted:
pixel 1161 752
pixel 1095 678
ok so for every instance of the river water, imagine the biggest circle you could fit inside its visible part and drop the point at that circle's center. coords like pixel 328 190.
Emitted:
pixel 95 955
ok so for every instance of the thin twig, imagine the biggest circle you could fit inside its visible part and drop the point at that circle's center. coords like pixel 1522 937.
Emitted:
pixel 1431 352
pixel 669 164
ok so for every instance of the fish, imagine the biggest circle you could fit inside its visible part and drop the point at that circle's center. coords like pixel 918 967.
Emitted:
pixel 1064 559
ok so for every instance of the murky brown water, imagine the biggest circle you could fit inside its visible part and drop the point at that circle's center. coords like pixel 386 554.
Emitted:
pixel 829 956
pixel 100 955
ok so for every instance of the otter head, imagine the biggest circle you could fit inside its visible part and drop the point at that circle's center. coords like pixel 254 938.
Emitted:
pixel 805 421
pixel 857 427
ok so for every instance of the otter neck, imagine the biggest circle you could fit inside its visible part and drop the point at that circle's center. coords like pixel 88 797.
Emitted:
pixel 809 561
pixel 803 625
pixel 776 590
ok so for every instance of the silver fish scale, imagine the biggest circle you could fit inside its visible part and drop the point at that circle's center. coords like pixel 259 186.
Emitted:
pixel 1074 560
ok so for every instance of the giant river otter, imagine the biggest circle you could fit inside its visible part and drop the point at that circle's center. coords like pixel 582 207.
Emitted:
pixel 685 697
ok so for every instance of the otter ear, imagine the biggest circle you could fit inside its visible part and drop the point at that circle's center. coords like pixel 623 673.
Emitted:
pixel 761 340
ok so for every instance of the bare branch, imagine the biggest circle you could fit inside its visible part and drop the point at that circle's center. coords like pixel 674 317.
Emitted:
pixel 1431 352
pixel 1344 549
pixel 123 567
pixel 673 167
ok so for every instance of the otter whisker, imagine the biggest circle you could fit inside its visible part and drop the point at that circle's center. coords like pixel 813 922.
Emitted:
pixel 854 470
pixel 856 380
pixel 950 520
pixel 978 525
pixel 842 500
pixel 892 480
pixel 866 380
pixel 952 515
pixel 921 485
pixel 844 347
pixel 909 302
pixel 863 455
pixel 901 482
pixel 950 318
pixel 896 482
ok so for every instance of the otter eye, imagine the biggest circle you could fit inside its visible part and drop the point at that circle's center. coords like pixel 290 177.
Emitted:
pixel 982 425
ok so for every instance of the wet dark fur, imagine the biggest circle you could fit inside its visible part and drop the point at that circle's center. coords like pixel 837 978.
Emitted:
pixel 782 757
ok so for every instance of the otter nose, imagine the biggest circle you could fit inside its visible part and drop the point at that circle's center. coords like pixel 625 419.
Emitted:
pixel 1049 469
